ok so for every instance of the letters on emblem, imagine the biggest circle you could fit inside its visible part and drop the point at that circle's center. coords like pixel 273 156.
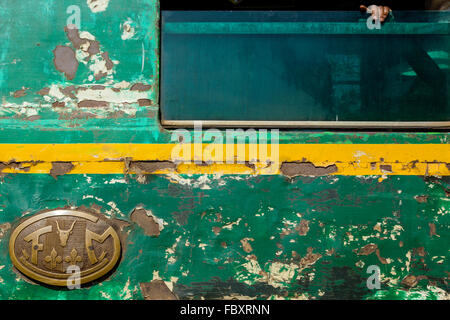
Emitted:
pixel 99 238
pixel 35 245
pixel 46 246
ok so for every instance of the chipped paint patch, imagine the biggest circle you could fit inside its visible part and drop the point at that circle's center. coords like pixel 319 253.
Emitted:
pixel 146 167
pixel 65 61
pixel 197 182
pixel 126 292
pixel 246 244
pixel 128 30
pixel 97 5
pixel 249 272
pixel 114 181
pixel 151 225
pixel 294 169
pixel 281 275
pixel 60 168
pixel 89 52
pixel 3 229
pixel 156 290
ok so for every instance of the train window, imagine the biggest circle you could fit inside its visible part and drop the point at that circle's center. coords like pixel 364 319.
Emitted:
pixel 304 69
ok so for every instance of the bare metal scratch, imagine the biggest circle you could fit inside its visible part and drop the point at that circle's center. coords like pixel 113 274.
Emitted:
pixel 143 57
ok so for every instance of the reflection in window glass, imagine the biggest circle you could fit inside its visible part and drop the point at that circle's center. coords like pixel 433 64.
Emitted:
pixel 304 66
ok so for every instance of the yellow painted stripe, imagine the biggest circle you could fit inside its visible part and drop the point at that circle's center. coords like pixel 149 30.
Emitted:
pixel 288 152
pixel 350 159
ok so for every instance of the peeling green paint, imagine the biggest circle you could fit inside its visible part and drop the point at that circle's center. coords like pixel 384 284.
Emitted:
pixel 343 217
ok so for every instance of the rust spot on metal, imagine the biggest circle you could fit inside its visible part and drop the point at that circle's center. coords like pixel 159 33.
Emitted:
pixel 60 168
pixel 310 258
pixel 413 164
pixel 156 290
pixel 94 208
pixel 421 199
pixel 94 47
pixel 20 93
pixel 146 222
pixel 23 166
pixel 74 37
pixel 216 230
pixel 140 87
pixel 303 228
pixel 386 167
pixel 93 104
pixel 68 91
pixel 108 62
pixel 411 281
pixel 382 260
pixel 3 166
pixel 97 87
pixel 432 229
pixel 246 245
pixel 144 102
pixel 118 114
pixel 368 249
pixel 419 251
pixel 250 165
pixel 143 167
pixel 58 104
pixel 65 61
pixel 100 75
pixel 43 91
pixel 33 118
pixel 294 169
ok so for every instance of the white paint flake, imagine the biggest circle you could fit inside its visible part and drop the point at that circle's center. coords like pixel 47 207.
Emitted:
pixel 97 5
pixel 128 30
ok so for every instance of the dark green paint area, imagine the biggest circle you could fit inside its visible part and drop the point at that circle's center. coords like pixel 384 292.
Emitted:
pixel 206 218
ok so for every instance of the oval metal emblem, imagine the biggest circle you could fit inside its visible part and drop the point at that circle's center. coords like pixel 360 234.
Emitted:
pixel 44 246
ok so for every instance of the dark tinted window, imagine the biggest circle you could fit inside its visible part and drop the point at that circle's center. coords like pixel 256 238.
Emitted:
pixel 304 66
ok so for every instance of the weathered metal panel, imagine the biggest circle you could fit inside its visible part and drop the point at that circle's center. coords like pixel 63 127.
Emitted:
pixel 276 238
pixel 336 203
